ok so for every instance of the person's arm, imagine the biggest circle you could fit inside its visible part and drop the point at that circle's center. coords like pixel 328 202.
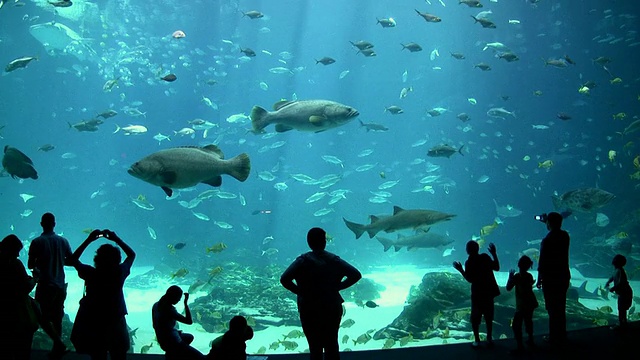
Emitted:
pixel 185 319
pixel 74 259
pixel 616 280
pixel 541 263
pixel 494 253
pixel 289 275
pixel 67 253
pixel 34 253
pixel 511 280
pixel 352 275
pixel 458 266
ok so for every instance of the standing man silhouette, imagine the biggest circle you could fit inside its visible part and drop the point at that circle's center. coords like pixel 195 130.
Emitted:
pixel 318 276
pixel 554 276
pixel 48 254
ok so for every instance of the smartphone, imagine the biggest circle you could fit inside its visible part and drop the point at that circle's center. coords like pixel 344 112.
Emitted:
pixel 100 235
pixel 538 217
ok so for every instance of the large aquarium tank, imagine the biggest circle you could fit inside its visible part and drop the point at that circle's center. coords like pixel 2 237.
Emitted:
pixel 212 135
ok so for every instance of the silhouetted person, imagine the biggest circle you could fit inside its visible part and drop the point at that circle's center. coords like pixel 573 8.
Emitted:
pixel 318 277
pixel 622 288
pixel 19 313
pixel 48 254
pixel 175 343
pixel 478 270
pixel 526 301
pixel 232 345
pixel 100 326
pixel 554 276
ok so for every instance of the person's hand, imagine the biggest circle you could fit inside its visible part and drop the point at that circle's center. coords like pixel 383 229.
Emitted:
pixel 94 235
pixel 539 283
pixel 492 249
pixel 457 265
pixel 186 297
pixel 110 235
pixel 511 273
pixel 36 274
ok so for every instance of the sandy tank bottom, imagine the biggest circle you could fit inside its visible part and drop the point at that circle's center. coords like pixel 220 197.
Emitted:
pixel 397 280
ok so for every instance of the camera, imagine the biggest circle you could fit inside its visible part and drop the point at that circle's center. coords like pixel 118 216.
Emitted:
pixel 541 218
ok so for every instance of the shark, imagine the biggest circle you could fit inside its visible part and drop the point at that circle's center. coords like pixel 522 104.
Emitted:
pixel 581 292
pixel 506 210
pixel 59 38
pixel 400 220
pixel 421 240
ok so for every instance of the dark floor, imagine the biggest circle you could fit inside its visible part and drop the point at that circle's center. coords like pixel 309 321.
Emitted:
pixel 598 343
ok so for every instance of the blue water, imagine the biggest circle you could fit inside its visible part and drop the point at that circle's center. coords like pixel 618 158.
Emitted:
pixel 37 102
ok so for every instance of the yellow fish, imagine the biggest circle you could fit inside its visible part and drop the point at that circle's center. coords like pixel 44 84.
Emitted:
pixel 612 155
pixel 584 90
pixel 87 230
pixel 619 116
pixel 215 271
pixel 628 145
pixel 636 162
pixel 537 93
pixel 635 175
pixel 383 175
pixel 142 198
pixel 616 81
pixel 547 164
pixel 488 229
pixel 216 248
pixel 622 235
pixel 171 248
pixel 180 273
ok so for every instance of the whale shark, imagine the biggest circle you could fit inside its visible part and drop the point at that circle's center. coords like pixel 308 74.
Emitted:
pixel 59 38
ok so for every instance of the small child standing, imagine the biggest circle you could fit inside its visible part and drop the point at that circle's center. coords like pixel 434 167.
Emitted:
pixel 622 288
pixel 526 301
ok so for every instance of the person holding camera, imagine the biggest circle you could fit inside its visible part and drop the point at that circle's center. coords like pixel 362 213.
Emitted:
pixel 554 276
pixel 175 343
pixel 100 326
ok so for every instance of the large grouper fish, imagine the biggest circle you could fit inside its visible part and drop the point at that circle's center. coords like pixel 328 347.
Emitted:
pixel 585 200
pixel 183 167
pixel 401 219
pixel 17 164
pixel 304 115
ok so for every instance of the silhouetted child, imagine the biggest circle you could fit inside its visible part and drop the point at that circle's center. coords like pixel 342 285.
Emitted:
pixel 478 270
pixel 526 301
pixel 232 345
pixel 622 288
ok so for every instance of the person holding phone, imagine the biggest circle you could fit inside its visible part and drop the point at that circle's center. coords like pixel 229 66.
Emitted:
pixel 175 343
pixel 100 327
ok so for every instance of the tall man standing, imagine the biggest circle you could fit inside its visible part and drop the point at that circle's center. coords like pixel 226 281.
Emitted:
pixel 48 254
pixel 319 276
pixel 554 276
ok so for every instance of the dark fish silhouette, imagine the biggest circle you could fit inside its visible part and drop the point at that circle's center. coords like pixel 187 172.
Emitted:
pixel 169 78
pixel 17 164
